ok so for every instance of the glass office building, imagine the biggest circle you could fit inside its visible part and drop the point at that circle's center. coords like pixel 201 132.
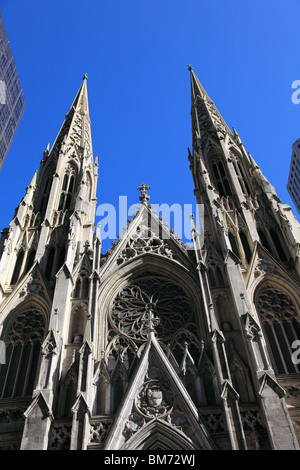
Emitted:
pixel 293 186
pixel 12 102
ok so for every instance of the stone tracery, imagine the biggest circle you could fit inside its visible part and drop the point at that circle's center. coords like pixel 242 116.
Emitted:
pixel 167 301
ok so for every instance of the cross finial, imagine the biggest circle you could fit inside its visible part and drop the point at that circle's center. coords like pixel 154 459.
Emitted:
pixel 150 321
pixel 190 68
pixel 144 197
pixel 85 76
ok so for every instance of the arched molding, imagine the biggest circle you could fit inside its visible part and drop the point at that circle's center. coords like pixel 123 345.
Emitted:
pixel 287 285
pixel 11 312
pixel 159 435
pixel 278 313
pixel 90 185
pixel 78 321
pixel 137 268
pixel 23 335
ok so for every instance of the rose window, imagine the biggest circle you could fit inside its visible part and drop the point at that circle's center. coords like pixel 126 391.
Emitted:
pixel 153 301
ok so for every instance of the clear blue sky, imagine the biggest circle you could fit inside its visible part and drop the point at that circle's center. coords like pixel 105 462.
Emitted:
pixel 136 52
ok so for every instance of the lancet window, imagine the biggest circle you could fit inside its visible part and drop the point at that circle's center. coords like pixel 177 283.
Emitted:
pixel 45 195
pixel 246 246
pixel 18 266
pixel 221 179
pixel 241 178
pixel 282 327
pixel 67 189
pixel 82 286
pixel 23 343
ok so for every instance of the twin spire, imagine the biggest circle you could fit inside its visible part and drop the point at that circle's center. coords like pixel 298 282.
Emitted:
pixel 76 126
pixel 208 117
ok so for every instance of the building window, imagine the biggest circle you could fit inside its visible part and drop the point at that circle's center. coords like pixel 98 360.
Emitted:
pixel 45 196
pixel 221 179
pixel 30 259
pixel 241 178
pixel 263 240
pixel 82 287
pixel 67 189
pixel 233 244
pixel 278 245
pixel 246 247
pixel 282 327
pixel 18 266
pixel 17 376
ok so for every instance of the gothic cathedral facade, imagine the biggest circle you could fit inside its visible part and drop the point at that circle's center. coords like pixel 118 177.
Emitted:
pixel 150 345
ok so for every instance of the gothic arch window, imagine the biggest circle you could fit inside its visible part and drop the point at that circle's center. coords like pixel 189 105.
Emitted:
pixel 278 245
pixel 23 343
pixel 220 277
pixel 233 244
pixel 61 257
pixel 119 358
pixel 221 179
pixel 264 240
pixel 55 257
pixel 246 246
pixel 79 315
pixel 82 286
pixel 119 349
pixel 185 342
pixel 241 175
pixel 85 287
pixel 77 290
pixel 214 272
pixel 50 261
pixel 45 195
pixel 30 259
pixel 67 188
pixel 281 324
pixel 211 277
pixel 18 266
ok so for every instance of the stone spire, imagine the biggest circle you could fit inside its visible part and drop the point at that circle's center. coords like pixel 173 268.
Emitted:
pixel 76 126
pixel 206 119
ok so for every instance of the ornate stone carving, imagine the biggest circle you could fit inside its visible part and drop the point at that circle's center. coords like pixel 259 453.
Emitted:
pixel 28 326
pixel 251 420
pixel 264 266
pixel 292 391
pixel 60 436
pixel 273 304
pixel 11 415
pixel 167 301
pixel 133 424
pixel 144 241
pixel 155 400
pixel 214 422
pixel 98 431
pixel 34 286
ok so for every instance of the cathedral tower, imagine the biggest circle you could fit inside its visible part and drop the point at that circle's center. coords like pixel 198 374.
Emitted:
pixel 151 345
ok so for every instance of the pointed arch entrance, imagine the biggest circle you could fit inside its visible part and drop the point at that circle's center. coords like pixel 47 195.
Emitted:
pixel 157 435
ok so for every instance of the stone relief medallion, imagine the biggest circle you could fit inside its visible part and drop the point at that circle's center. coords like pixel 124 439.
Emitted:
pixel 154 400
